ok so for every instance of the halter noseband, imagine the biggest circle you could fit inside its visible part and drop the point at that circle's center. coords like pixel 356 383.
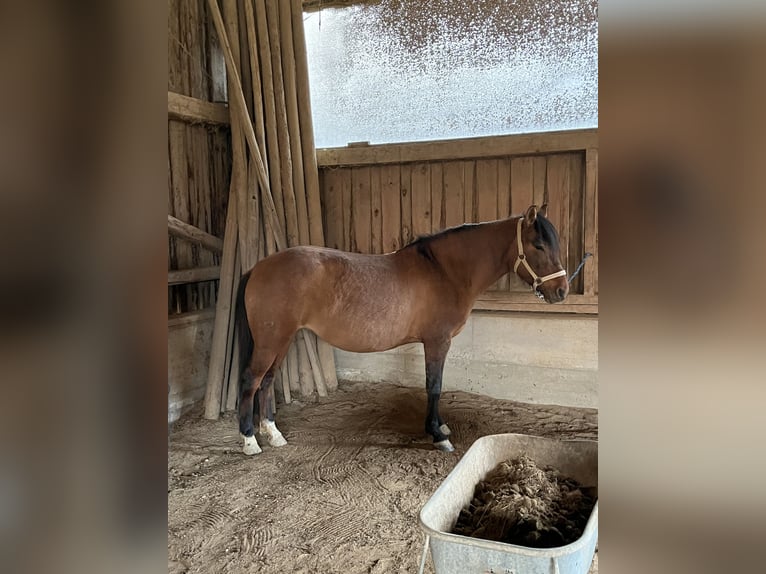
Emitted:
pixel 537 281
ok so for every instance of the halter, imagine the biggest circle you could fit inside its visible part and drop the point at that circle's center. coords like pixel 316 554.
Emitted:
pixel 537 281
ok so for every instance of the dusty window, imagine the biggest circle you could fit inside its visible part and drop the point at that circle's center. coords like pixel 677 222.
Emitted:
pixel 408 70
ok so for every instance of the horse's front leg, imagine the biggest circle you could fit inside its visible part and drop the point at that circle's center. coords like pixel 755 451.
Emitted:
pixel 436 354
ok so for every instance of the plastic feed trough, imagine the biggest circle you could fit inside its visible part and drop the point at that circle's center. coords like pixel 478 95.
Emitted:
pixel 456 554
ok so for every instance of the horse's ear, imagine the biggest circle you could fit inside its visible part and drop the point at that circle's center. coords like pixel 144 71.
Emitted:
pixel 530 215
pixel 544 210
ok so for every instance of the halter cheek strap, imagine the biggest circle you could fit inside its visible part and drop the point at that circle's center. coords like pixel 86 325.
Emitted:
pixel 522 259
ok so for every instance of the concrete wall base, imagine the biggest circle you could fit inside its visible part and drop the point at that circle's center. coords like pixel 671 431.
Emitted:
pixel 527 357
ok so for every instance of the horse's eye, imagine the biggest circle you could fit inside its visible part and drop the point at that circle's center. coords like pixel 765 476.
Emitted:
pixel 538 246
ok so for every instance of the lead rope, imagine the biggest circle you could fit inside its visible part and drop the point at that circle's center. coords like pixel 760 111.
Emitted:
pixel 579 267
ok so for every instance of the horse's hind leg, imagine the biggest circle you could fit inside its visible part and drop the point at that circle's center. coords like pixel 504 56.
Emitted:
pixel 268 427
pixel 252 377
pixel 436 354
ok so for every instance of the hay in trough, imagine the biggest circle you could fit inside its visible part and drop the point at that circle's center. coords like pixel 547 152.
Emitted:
pixel 519 503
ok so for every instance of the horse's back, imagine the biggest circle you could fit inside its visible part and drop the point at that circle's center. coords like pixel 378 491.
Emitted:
pixel 356 302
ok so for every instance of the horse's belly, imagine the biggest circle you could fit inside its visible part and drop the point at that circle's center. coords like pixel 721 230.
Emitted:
pixel 362 333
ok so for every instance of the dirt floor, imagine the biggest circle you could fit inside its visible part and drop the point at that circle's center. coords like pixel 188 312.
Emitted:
pixel 344 495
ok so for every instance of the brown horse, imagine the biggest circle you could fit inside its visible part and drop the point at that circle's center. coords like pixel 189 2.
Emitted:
pixel 363 303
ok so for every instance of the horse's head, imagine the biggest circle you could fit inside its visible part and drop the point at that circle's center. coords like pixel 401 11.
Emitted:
pixel 538 256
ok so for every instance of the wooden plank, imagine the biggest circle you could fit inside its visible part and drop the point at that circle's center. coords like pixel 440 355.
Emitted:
pixel 539 177
pixel 333 207
pixel 532 307
pixel 453 193
pixel 486 193
pixel 181 209
pixel 529 298
pixel 575 223
pixel 522 196
pixel 503 204
pixel 486 189
pixel 348 205
pixel 559 188
pixel 200 316
pixel 590 271
pixel 469 191
pixel 191 233
pixel 437 197
pixel 193 110
pixel 361 210
pixel 522 184
pixel 391 214
pixel 444 150
pixel 376 229
pixel 405 188
pixel 174 46
pixel 181 276
pixel 421 199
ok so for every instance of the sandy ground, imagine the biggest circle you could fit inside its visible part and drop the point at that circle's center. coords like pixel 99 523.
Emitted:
pixel 344 495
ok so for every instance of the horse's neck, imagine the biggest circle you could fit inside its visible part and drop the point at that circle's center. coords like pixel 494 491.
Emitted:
pixel 477 258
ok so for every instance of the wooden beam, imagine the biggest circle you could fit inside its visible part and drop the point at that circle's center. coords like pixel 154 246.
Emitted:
pixel 194 110
pixel 498 301
pixel 195 275
pixel 443 150
pixel 182 319
pixel 186 231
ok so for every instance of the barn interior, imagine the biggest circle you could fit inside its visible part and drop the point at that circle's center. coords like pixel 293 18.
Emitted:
pixel 287 125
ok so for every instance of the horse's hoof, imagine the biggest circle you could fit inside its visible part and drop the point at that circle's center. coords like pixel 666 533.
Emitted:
pixel 251 446
pixel 272 434
pixel 444 445
pixel 444 429
pixel 277 440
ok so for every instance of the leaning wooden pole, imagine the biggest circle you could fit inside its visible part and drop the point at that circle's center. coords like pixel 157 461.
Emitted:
pixel 310 170
pixel 289 367
pixel 218 354
pixel 215 373
pixel 241 108
pixel 299 186
pixel 286 162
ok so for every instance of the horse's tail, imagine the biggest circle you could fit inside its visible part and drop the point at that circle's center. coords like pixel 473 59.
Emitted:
pixel 244 336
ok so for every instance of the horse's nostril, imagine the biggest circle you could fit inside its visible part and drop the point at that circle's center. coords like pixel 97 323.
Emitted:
pixel 561 292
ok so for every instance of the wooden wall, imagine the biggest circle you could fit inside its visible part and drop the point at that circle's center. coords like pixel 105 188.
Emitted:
pixel 199 150
pixel 376 199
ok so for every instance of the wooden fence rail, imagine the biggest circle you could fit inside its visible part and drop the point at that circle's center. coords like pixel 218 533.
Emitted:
pixel 378 198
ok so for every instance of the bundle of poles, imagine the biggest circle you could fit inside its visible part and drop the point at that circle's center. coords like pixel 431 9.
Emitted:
pixel 274 198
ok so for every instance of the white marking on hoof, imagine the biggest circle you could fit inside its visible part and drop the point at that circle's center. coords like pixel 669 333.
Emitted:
pixel 444 429
pixel 271 432
pixel 251 445
pixel 444 445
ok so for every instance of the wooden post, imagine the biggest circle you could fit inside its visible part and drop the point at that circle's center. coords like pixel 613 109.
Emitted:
pixel 299 187
pixel 215 371
pixel 231 364
pixel 241 109
pixel 286 164
pixel 311 174
pixel 289 370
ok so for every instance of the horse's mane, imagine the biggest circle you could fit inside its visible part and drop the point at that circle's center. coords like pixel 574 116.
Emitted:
pixel 422 243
